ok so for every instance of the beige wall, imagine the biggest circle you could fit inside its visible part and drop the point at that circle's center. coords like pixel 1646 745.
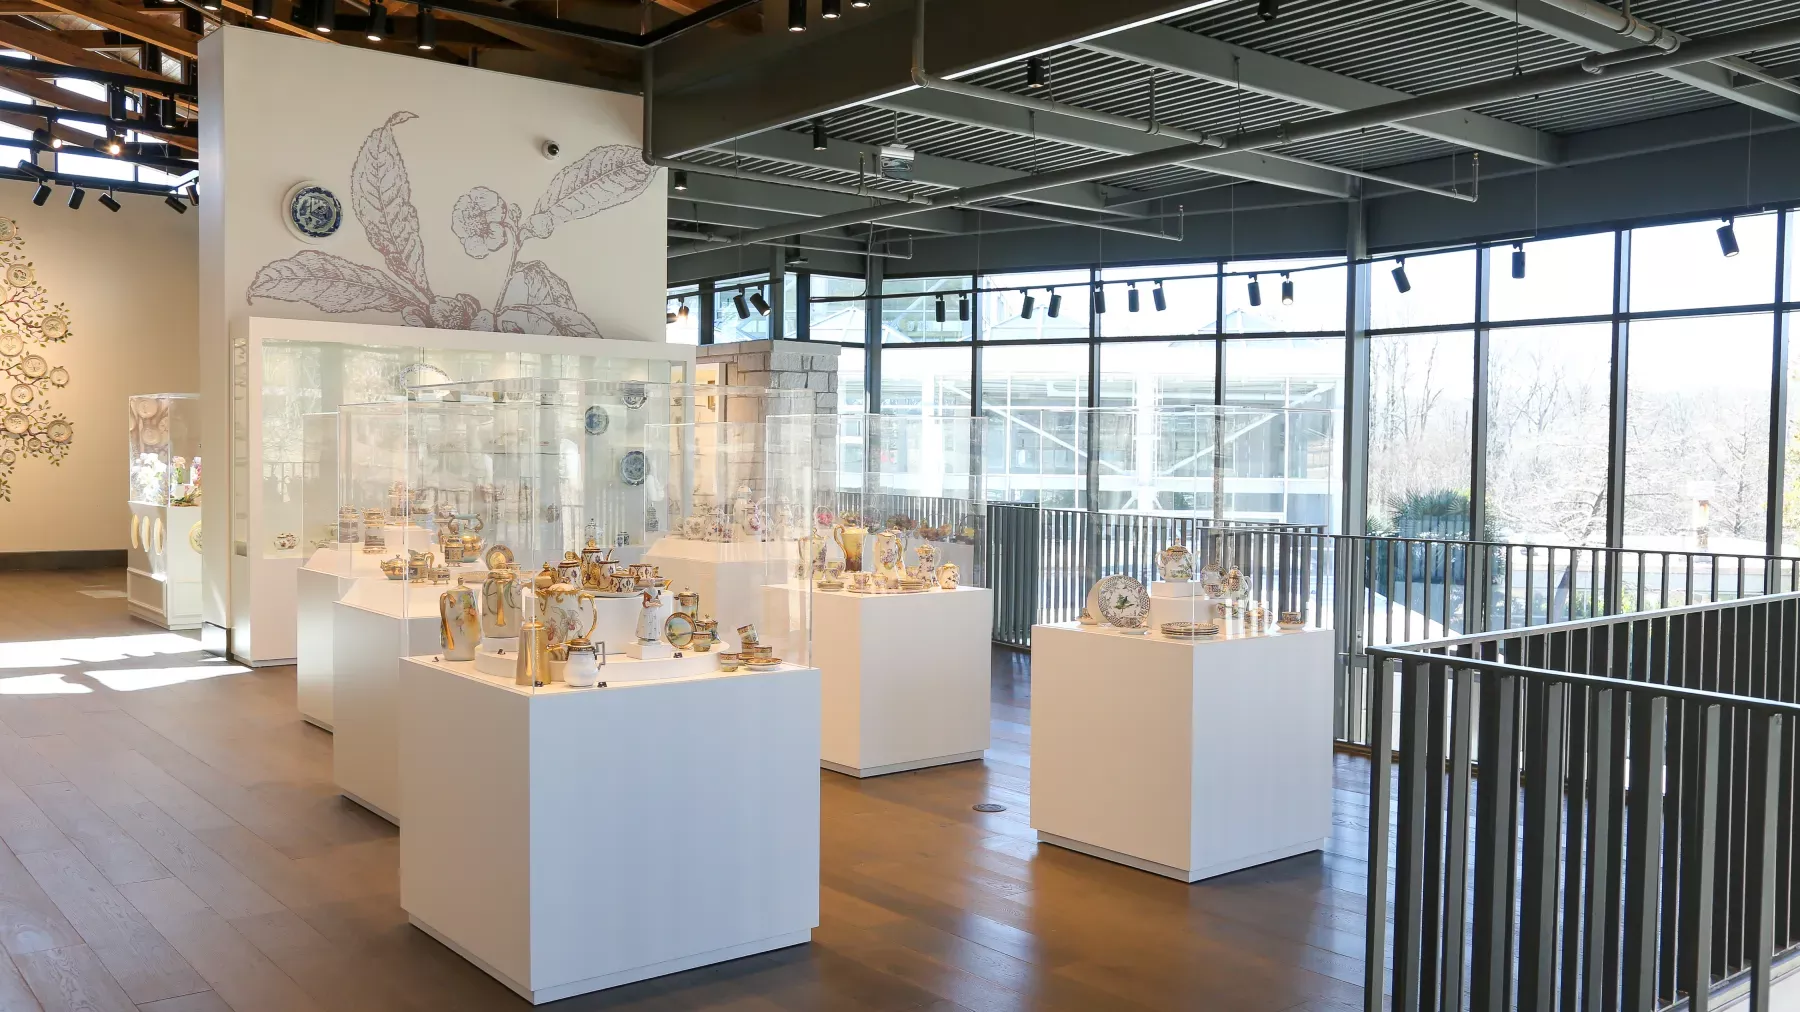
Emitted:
pixel 129 282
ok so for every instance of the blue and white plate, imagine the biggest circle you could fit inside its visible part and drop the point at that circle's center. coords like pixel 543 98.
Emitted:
pixel 634 467
pixel 312 212
pixel 596 420
pixel 634 394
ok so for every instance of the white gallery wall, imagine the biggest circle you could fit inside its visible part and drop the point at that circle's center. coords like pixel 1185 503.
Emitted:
pixel 126 284
pixel 452 215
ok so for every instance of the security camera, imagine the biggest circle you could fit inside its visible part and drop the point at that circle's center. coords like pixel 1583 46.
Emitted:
pixel 551 149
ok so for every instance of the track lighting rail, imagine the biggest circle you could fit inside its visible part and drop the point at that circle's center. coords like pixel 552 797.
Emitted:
pixel 589 32
pixel 135 82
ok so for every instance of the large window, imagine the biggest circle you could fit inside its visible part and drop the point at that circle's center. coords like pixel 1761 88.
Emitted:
pixel 1256 296
pixel 1563 277
pixel 1420 410
pixel 1684 267
pixel 1158 375
pixel 926 380
pixel 1191 304
pixel 840 322
pixel 1003 306
pixel 911 307
pixel 1423 291
pixel 684 307
pixel 1547 433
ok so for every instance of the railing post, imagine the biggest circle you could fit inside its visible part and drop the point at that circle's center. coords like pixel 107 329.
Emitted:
pixel 1543 823
pixel 1409 856
pixel 1643 867
pixel 1491 967
pixel 1700 838
pixel 1456 842
pixel 1381 767
pixel 1765 813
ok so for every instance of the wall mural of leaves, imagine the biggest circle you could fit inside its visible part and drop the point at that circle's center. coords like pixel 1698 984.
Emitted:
pixel 533 299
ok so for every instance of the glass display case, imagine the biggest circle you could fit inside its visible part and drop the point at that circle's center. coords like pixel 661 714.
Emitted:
pixel 164 492
pixel 572 495
pixel 319 484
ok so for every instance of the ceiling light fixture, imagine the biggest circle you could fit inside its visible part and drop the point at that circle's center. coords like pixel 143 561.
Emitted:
pixel 1401 281
pixel 940 309
pixel 1518 261
pixel 1268 10
pixel 1287 289
pixel 743 307
pixel 262 10
pixel 175 201
pixel 209 5
pixel 1100 299
pixel 427 30
pixel 796 15
pixel 1028 306
pixel 115 102
pixel 76 196
pixel 680 183
pixel 326 20
pixel 42 194
pixel 861 5
pixel 1158 299
pixel 831 10
pixel 114 146
pixel 962 307
pixel 1131 298
pixel 1255 291
pixel 193 194
pixel 682 313
pixel 378 21
pixel 1037 73
pixel 761 303
pixel 1728 243
pixel 110 202
pixel 1055 309
pixel 820 141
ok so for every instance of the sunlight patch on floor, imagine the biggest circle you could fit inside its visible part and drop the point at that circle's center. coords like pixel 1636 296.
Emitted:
pixel 93 650
pixel 133 679
pixel 51 684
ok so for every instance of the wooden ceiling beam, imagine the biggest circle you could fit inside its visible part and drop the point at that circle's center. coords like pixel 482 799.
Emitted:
pixel 50 94
pixel 46 46
pixel 135 23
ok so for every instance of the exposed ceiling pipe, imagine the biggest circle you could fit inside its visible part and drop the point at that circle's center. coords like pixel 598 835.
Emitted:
pixel 728 172
pixel 708 237
pixel 1781 33
pixel 1105 226
pixel 931 82
pixel 1637 29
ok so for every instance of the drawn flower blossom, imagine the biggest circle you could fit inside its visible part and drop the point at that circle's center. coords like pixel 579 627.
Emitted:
pixel 480 220
pixel 532 299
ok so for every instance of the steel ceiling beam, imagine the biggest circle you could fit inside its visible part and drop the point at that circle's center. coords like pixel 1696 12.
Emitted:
pixel 707 96
pixel 790 201
pixel 1193 55
pixel 1576 29
pixel 951 173
pixel 1082 133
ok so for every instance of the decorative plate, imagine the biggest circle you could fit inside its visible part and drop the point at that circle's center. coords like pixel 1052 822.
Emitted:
pixel 498 557
pixel 59 376
pixel 634 467
pixel 60 431
pixel 678 630
pixel 135 542
pixel 8 228
pixel 312 212
pixel 194 536
pixel 146 408
pixel 769 665
pixel 34 366
pixel 286 542
pixel 634 394
pixel 11 344
pixel 8 457
pixel 20 275
pixel 1123 601
pixel 54 327
pixel 16 423
pixel 596 420
pixel 159 536
pixel 22 393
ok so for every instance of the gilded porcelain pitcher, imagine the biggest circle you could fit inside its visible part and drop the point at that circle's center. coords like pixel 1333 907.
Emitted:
pixel 459 622
pixel 850 538
pixel 500 604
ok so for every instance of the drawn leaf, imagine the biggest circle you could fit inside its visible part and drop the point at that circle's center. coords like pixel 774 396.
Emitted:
pixel 381 196
pixel 607 176
pixel 537 301
pixel 329 283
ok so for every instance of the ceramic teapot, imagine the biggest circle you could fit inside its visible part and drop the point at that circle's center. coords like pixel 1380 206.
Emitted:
pixel 459 622
pixel 500 604
pixel 562 605
pixel 688 603
pixel 928 562
pixel 585 661
pixel 596 566
pixel 850 538
pixel 947 575
pixel 653 616
pixel 1176 564
pixel 569 570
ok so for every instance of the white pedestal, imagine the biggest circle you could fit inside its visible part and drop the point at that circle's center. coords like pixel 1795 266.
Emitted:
pixel 1188 760
pixel 728 577
pixel 906 678
pixel 367 644
pixel 1181 602
pixel 317 592
pixel 162 577
pixel 569 840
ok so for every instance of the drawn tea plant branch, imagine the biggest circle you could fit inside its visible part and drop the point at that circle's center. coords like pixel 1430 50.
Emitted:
pixel 533 299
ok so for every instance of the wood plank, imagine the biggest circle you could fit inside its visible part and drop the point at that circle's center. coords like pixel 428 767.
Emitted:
pixel 19 761
pixel 205 1001
pixel 49 92
pixel 210 876
pixel 72 979
pixel 46 47
pixel 15 994
pixel 29 921
pixel 145 965
pixel 24 826
pixel 135 23
pixel 241 974
pixel 98 837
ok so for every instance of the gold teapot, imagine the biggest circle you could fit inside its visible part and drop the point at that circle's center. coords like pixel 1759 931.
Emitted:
pixel 596 566
pixel 394 568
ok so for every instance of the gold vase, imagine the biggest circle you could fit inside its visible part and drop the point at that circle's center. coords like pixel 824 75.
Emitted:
pixel 533 665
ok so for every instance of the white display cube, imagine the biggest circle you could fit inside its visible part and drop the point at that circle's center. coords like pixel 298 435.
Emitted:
pixel 906 678
pixel 1186 759
pixel 162 573
pixel 729 577
pixel 569 840
pixel 366 650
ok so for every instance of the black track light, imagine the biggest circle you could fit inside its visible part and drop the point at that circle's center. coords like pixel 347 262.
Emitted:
pixel 1037 73
pixel 1401 281
pixel 176 202
pixel 669 318
pixel 171 117
pixel 262 10
pixel 680 184
pixel 820 141
pixel 1518 261
pixel 210 5
pixel 76 196
pixel 831 10
pixel 40 137
pixel 743 306
pixel 1287 289
pixel 962 307
pixel 378 21
pixel 796 15
pixel 326 17
pixel 1158 299
pixel 1028 306
pixel 1131 298
pixel 1268 10
pixel 940 309
pixel 861 5
pixel 193 194
pixel 1055 309
pixel 115 102
pixel 761 304
pixel 1100 299
pixel 1255 291
pixel 30 168
pixel 682 313
pixel 110 202
pixel 427 30
pixel 115 145
pixel 42 194
pixel 1728 243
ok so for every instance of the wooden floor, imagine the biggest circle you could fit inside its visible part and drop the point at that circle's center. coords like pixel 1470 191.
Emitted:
pixel 172 843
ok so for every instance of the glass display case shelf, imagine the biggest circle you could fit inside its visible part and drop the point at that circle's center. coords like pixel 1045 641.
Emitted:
pixel 163 575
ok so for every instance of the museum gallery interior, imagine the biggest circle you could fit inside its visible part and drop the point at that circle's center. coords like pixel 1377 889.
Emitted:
pixel 899 505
